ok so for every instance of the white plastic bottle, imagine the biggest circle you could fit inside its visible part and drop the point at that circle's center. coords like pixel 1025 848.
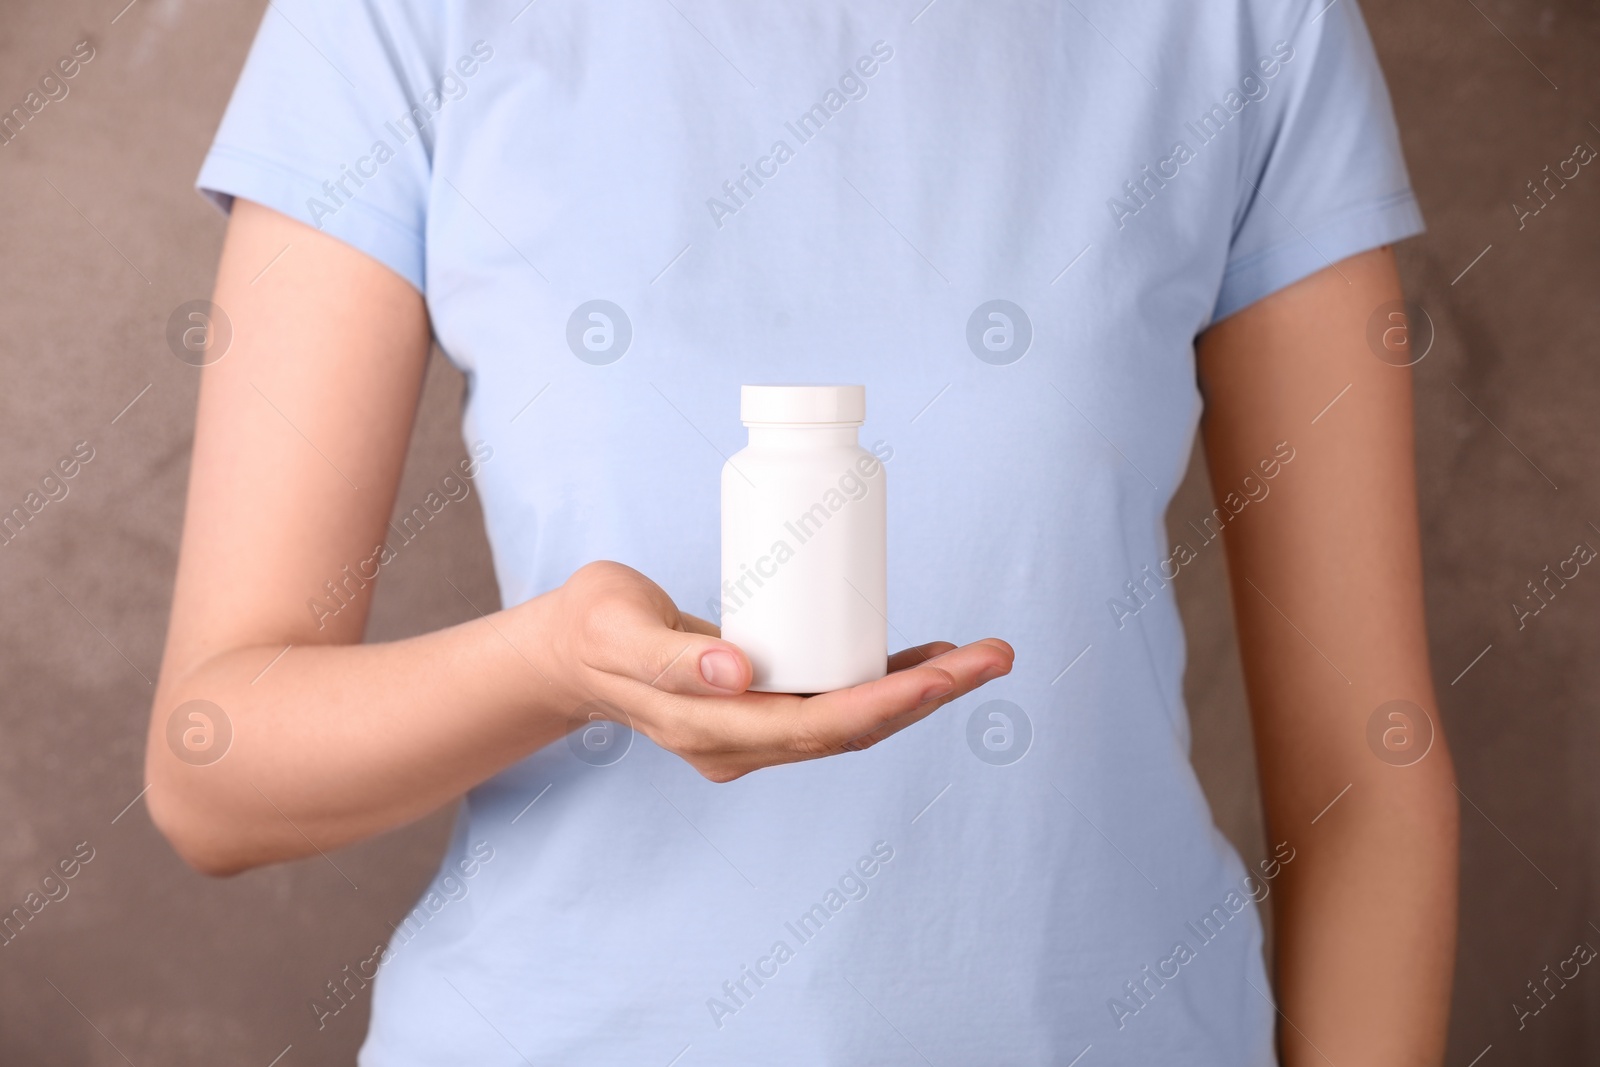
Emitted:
pixel 804 545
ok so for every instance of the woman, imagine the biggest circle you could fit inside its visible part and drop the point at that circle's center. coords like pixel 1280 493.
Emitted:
pixel 1040 236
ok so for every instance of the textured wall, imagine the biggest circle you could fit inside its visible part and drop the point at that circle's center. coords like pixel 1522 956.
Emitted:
pixel 102 238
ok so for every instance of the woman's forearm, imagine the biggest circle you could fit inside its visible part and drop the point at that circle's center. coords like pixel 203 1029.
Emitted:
pixel 1365 923
pixel 334 743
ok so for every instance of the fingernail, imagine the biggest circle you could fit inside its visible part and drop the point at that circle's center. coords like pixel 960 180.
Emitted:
pixel 720 668
pixel 935 691
pixel 989 674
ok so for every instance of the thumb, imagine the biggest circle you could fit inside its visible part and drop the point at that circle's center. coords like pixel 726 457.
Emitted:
pixel 632 629
pixel 653 651
pixel 695 665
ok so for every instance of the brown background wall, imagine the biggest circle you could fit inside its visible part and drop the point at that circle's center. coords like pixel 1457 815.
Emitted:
pixel 102 238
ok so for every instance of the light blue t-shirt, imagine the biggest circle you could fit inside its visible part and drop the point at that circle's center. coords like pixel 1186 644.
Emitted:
pixel 1009 222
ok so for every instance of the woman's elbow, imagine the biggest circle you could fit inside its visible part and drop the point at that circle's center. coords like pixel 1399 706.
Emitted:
pixel 195 821
pixel 192 836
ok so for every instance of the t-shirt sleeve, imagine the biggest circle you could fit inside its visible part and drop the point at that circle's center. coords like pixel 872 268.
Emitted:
pixel 330 124
pixel 1324 178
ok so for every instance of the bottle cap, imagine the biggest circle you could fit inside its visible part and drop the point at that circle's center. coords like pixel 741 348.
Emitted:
pixel 837 405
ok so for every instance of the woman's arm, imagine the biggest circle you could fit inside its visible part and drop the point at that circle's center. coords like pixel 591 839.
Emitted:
pixel 1326 574
pixel 299 442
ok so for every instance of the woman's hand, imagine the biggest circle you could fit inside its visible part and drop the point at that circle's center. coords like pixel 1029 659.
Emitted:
pixel 613 645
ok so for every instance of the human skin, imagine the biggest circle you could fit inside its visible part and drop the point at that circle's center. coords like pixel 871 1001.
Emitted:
pixel 1327 571
pixel 340 740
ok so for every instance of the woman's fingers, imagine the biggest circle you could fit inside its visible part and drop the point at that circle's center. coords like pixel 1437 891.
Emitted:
pixel 725 738
pixel 832 721
pixel 910 657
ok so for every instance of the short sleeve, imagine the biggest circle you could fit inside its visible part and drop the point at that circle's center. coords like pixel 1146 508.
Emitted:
pixel 330 124
pixel 1324 178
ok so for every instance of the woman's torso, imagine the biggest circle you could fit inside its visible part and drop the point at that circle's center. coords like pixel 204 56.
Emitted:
pixel 1025 869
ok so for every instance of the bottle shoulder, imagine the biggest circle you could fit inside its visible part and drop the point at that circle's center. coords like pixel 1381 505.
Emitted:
pixel 769 458
pixel 801 453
